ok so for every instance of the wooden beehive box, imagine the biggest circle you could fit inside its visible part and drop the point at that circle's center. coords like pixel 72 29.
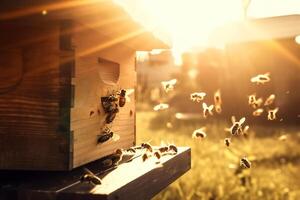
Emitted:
pixel 55 67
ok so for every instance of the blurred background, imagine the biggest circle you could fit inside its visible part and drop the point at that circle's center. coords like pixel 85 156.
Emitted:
pixel 221 45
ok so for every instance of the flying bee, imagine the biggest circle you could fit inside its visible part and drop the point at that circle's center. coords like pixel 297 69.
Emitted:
pixel 157 154
pixel 197 96
pixel 169 125
pixel 257 103
pixel 283 138
pixel 90 178
pixel 145 156
pixel 173 148
pixel 236 127
pixel 269 100
pixel 251 99
pixel 169 85
pixel 272 114
pixel 217 98
pixel 227 141
pixel 261 78
pixel 161 106
pixel 218 108
pixel 244 162
pixel 207 110
pixel 199 133
pixel 147 146
pixel 245 130
pixel 106 135
pixel 257 112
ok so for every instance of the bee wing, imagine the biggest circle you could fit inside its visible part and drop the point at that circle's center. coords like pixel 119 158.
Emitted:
pixel 202 128
pixel 267 74
pixel 128 92
pixel 173 81
pixel 233 120
pixel 204 105
pixel 211 107
pixel 242 120
pixel 116 137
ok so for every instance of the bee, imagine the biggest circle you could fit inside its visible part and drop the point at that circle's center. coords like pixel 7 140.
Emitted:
pixel 145 156
pixel 218 108
pixel 161 106
pixel 251 99
pixel 245 130
pixel 258 112
pixel 269 100
pixel 169 85
pixel 272 114
pixel 244 162
pixel 217 98
pixel 197 96
pixel 207 110
pixel 106 135
pixel 117 156
pixel 173 148
pixel 199 133
pixel 227 141
pixel 157 154
pixel 147 146
pixel 257 103
pixel 124 96
pixel 131 150
pixel 110 107
pixel 90 178
pixel 163 149
pixel 261 78
pixel 236 127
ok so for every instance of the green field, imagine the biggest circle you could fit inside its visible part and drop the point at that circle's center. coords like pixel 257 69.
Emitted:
pixel 215 173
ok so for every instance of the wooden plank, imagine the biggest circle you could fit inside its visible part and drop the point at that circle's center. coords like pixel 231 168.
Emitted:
pixel 29 111
pixel 131 180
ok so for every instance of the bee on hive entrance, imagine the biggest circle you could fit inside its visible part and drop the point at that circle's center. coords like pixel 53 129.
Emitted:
pixel 90 178
pixel 110 107
pixel 236 127
pixel 261 78
pixel 207 110
pixel 124 96
pixel 106 135
pixel 272 114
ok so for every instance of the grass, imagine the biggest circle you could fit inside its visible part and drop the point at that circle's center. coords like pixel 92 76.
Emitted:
pixel 215 173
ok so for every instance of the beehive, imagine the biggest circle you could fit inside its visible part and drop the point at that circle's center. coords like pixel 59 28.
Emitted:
pixel 56 67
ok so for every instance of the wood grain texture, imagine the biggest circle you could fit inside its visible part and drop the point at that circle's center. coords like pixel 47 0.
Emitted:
pixel 29 111
pixel 94 79
pixel 131 180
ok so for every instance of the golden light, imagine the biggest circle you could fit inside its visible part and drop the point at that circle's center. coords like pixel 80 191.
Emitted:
pixel 297 39
pixel 192 73
pixel 44 12
pixel 187 23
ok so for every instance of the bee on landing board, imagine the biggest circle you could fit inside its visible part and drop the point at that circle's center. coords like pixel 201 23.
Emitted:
pixel 146 156
pixel 207 110
pixel 197 96
pixel 168 85
pixel 147 146
pixel 261 78
pixel 173 148
pixel 90 178
pixel 236 128
pixel 199 133
pixel 272 114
